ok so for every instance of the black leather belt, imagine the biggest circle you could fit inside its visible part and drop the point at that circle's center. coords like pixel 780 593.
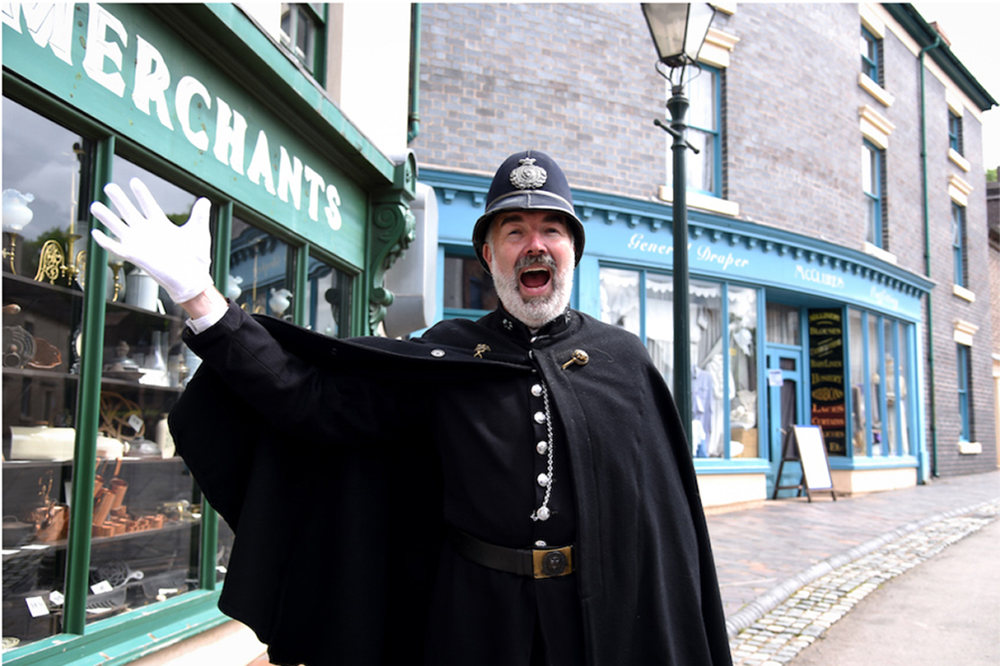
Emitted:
pixel 537 563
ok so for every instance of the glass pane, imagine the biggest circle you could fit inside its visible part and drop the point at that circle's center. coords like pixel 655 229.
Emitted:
pixel 869 170
pixel 660 323
pixel 620 299
pixel 905 408
pixel 859 420
pixel 467 285
pixel 46 184
pixel 890 390
pixel 328 305
pixel 877 387
pixel 708 382
pixel 873 222
pixel 260 272
pixel 783 324
pixel 146 525
pixel 702 95
pixel 743 372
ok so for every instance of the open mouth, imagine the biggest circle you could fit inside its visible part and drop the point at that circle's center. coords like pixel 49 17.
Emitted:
pixel 535 277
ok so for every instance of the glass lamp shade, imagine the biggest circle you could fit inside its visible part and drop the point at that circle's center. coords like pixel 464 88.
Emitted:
pixel 16 214
pixel 678 30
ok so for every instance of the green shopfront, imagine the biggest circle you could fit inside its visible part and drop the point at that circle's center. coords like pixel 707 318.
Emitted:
pixel 108 550
pixel 785 330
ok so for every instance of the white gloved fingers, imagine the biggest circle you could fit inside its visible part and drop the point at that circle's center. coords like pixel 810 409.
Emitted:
pixel 151 210
pixel 127 211
pixel 109 219
pixel 110 244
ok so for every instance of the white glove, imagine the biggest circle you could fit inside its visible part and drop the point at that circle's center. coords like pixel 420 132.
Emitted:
pixel 178 258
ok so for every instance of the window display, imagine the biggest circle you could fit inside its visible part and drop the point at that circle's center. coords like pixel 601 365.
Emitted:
pixel 44 171
pixel 714 394
pixel 145 528
pixel 328 303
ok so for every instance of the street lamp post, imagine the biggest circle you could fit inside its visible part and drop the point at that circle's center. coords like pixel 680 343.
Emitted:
pixel 678 32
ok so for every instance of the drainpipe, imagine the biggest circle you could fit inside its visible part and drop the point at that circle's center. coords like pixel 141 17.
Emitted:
pixel 927 254
pixel 414 116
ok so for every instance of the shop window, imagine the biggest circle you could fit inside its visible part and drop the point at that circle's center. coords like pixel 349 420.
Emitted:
pixel 871 61
pixel 881 406
pixel 328 303
pixel 859 393
pixel 905 429
pixel 46 188
pixel 261 272
pixel 955 132
pixel 872 178
pixel 468 288
pixel 964 369
pixel 743 424
pixel 704 168
pixel 724 366
pixel 303 33
pixel 958 242
pixel 891 398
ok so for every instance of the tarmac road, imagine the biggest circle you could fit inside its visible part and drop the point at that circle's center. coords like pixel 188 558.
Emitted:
pixel 945 611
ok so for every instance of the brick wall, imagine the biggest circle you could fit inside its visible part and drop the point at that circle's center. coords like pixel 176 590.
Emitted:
pixel 577 81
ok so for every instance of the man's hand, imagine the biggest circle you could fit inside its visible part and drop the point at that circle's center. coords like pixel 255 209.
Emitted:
pixel 178 258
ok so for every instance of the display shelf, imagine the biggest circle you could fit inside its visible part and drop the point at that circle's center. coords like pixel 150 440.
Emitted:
pixel 41 547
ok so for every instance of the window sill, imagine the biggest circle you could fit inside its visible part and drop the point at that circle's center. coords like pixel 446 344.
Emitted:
pixel 703 202
pixel 962 292
pixel 959 161
pixel 969 448
pixel 879 253
pixel 875 90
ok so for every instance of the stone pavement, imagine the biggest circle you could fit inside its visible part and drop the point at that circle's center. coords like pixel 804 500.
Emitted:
pixel 788 569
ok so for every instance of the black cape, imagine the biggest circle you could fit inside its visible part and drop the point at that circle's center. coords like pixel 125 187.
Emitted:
pixel 317 454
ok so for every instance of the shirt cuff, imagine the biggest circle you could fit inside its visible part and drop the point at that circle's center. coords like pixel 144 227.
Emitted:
pixel 205 322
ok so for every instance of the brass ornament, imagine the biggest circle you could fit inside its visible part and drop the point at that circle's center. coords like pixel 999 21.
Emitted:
pixel 580 357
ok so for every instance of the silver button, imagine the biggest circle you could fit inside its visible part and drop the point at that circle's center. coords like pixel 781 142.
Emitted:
pixel 531 353
pixel 437 353
pixel 540 544
pixel 539 417
pixel 536 390
pixel 543 479
pixel 542 447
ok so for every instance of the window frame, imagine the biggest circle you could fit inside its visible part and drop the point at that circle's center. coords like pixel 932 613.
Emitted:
pixel 875 199
pixel 964 370
pixel 715 134
pixel 315 16
pixel 871 65
pixel 955 141
pixel 958 245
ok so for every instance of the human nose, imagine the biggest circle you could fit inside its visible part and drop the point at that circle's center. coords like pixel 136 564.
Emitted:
pixel 535 244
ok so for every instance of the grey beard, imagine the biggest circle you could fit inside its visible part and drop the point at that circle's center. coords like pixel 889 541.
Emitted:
pixel 537 311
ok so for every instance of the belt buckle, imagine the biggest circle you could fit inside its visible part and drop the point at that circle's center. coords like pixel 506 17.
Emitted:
pixel 552 562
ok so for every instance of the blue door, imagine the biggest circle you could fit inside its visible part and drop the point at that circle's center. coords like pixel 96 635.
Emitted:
pixel 785 409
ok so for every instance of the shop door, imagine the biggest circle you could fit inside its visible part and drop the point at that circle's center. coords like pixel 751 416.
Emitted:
pixel 784 404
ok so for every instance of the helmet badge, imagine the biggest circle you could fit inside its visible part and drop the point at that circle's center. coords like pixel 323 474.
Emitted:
pixel 528 175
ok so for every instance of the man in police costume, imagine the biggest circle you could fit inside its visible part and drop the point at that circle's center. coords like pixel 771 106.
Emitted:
pixel 515 490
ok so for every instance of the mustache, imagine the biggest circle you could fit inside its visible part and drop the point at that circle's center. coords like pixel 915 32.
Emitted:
pixel 528 261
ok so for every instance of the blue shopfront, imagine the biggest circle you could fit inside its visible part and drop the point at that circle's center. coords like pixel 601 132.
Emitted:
pixel 785 330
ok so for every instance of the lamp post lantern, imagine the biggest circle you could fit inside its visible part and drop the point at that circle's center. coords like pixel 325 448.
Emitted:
pixel 678 32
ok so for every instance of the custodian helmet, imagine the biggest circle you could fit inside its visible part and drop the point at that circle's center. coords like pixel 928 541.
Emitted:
pixel 528 180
